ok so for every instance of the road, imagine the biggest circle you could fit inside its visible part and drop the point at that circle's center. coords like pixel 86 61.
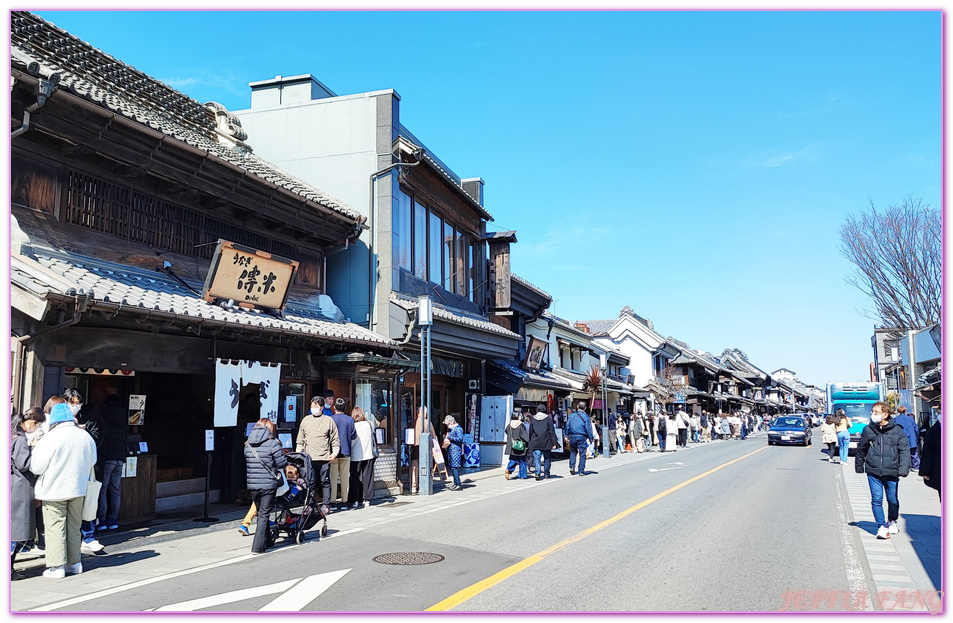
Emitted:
pixel 727 526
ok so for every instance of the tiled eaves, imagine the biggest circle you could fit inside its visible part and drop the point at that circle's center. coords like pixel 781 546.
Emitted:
pixel 99 78
pixel 122 287
pixel 455 316
pixel 532 287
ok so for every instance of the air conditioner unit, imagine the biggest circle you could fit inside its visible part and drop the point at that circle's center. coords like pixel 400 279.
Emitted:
pixel 473 385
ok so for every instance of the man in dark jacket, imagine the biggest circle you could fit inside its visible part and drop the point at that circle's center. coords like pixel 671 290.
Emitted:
pixel 340 467
pixel 930 461
pixel 113 454
pixel 579 430
pixel 884 454
pixel 909 427
pixel 542 440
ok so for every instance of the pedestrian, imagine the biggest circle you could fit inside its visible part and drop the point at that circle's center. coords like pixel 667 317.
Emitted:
pixel 89 417
pixel 703 423
pixel 829 437
pixel 22 480
pixel 620 434
pixel 579 432
pixel 517 441
pixel 909 426
pixel 318 436
pixel 542 441
pixel 264 461
pixel 363 455
pixel 115 423
pixel 743 425
pixel 695 427
pixel 636 427
pixel 340 467
pixel 930 464
pixel 672 431
pixel 419 423
pixel 453 443
pixel 884 454
pixel 842 427
pixel 63 460
pixel 682 425
pixel 613 433
pixel 661 426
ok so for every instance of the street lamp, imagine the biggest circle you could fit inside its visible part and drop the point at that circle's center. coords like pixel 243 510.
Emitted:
pixel 425 320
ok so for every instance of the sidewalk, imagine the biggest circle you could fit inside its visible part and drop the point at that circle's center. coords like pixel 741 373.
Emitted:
pixel 906 567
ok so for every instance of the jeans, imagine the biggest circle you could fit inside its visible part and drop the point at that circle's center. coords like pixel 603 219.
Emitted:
pixel 577 445
pixel 914 459
pixel 843 440
pixel 877 486
pixel 544 456
pixel 695 435
pixel 264 500
pixel 455 472
pixel 108 513
pixel 517 461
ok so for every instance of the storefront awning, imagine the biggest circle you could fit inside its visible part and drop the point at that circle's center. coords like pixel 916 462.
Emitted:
pixel 123 289
pixel 389 364
pixel 517 377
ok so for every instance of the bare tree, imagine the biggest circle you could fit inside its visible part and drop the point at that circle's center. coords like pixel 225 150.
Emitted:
pixel 897 255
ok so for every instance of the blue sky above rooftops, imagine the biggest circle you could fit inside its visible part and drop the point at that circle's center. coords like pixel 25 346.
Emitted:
pixel 695 166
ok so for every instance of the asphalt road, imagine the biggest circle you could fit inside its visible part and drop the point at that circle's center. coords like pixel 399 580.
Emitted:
pixel 730 526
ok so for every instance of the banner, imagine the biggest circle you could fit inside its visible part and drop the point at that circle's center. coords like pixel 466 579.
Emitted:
pixel 227 379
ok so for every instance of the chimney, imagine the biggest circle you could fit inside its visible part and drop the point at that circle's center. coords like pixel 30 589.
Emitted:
pixel 473 186
pixel 582 327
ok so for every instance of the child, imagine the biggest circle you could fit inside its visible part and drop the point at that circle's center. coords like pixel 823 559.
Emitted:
pixel 296 484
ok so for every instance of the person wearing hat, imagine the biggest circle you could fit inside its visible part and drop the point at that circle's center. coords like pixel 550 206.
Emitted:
pixel 62 459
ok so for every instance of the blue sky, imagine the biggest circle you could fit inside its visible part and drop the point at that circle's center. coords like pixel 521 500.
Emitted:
pixel 695 166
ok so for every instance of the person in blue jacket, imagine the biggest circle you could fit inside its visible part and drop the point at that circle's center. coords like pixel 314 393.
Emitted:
pixel 579 431
pixel 909 426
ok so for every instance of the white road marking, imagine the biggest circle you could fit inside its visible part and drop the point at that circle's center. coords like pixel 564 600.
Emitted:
pixel 229 597
pixel 304 592
pixel 856 581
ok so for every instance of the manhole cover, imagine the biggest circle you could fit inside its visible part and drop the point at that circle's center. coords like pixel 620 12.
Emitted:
pixel 408 558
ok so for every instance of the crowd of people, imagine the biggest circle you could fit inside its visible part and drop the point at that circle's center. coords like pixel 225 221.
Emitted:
pixel 56 451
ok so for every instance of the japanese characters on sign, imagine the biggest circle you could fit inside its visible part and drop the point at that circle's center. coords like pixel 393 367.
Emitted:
pixel 248 277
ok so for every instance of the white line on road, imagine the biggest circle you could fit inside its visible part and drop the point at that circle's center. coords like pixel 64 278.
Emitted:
pixel 304 593
pixel 856 580
pixel 227 598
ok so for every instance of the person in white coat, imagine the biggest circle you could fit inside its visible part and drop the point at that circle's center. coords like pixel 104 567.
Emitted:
pixel 63 459
pixel 363 456
pixel 671 432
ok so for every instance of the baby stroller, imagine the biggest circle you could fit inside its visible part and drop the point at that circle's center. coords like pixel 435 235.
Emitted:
pixel 293 514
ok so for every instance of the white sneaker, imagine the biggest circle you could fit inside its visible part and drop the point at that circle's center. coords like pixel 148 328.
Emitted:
pixel 74 569
pixel 366 503
pixel 91 547
pixel 893 528
pixel 883 532
pixel 55 572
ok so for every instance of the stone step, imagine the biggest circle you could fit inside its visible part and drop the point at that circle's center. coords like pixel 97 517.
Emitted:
pixel 175 502
pixel 180 487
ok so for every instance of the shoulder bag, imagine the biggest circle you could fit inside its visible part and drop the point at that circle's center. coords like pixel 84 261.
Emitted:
pixel 283 487
pixel 91 501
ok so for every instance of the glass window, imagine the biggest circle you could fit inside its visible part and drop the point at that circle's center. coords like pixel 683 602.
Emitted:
pixel 436 239
pixel 460 267
pixel 471 272
pixel 420 240
pixel 401 228
pixel 448 256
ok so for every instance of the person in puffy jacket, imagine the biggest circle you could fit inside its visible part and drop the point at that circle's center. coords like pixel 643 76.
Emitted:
pixel 517 441
pixel 264 460
pixel 884 454
pixel 63 460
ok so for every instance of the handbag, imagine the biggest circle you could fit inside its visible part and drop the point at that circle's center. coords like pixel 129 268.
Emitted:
pixel 518 445
pixel 91 501
pixel 283 487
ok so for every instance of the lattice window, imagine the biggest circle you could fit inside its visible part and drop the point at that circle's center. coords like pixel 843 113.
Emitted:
pixel 109 208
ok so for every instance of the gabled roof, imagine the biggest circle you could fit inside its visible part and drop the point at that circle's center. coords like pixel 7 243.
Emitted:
pixel 41 49
pixel 122 288
pixel 453 315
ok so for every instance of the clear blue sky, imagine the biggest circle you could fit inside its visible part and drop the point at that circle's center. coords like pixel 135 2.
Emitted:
pixel 695 166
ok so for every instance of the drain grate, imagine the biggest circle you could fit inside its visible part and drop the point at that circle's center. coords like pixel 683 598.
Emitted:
pixel 408 558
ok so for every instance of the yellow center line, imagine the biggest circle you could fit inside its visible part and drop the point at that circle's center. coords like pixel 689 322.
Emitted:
pixel 472 591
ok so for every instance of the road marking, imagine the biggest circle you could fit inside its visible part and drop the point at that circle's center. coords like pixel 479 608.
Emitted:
pixel 856 579
pixel 472 591
pixel 304 593
pixel 229 597
pixel 677 465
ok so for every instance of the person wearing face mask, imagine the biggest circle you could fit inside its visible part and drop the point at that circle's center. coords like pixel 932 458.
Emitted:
pixel 318 436
pixel 883 452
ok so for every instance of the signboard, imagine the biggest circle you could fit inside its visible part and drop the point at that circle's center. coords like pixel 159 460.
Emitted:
pixel 249 277
pixel 137 409
pixel 500 279
pixel 291 408
pixel 209 440
pixel 533 394
pixel 534 353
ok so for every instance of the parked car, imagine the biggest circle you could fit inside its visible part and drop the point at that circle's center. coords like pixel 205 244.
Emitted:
pixel 790 429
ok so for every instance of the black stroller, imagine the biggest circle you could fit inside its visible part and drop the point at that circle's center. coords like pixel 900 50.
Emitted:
pixel 293 514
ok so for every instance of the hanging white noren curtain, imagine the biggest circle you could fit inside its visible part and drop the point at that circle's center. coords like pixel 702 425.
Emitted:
pixel 227 389
pixel 251 372
pixel 270 377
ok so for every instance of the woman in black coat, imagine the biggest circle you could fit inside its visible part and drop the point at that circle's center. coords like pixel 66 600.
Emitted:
pixel 23 516
pixel 264 462
pixel 930 458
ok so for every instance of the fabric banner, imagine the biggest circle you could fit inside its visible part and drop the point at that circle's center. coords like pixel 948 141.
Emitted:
pixel 269 379
pixel 227 384
pixel 251 372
